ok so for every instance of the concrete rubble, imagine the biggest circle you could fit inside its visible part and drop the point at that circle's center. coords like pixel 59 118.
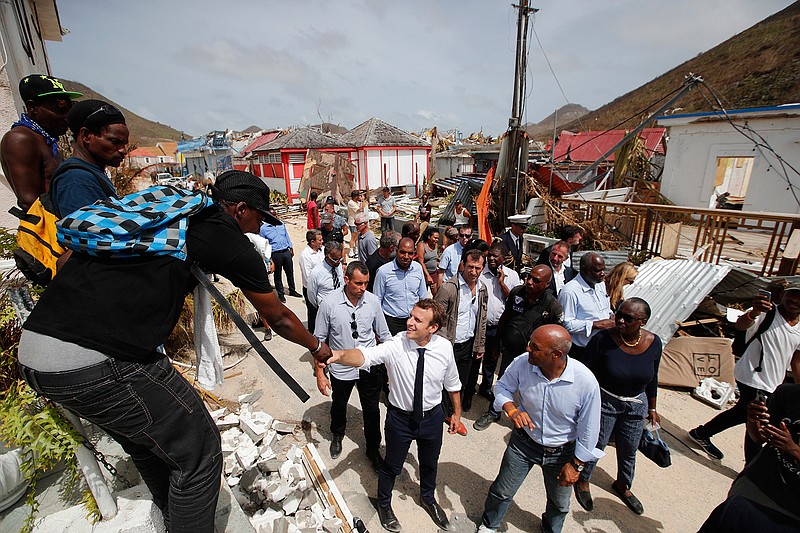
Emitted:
pixel 263 466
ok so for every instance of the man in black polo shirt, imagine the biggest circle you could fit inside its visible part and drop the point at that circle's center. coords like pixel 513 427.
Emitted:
pixel 385 253
pixel 91 344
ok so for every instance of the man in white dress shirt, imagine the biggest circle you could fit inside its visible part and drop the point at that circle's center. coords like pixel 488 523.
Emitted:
pixel 587 309
pixel 557 422
pixel 419 364
pixel 311 256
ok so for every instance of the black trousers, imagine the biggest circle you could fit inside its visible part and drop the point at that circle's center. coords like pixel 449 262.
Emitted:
pixel 386 223
pixel 490 358
pixel 733 417
pixel 737 514
pixel 283 261
pixel 311 312
pixel 396 325
pixel 462 352
pixel 400 431
pixel 369 386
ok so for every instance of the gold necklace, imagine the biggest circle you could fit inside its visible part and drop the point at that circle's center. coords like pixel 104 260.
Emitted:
pixel 632 344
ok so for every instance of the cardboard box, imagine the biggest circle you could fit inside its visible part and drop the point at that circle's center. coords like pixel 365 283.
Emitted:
pixel 687 360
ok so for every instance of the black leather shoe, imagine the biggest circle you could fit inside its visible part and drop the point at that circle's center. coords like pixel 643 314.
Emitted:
pixel 584 498
pixel 295 294
pixel 282 298
pixel 336 446
pixel 437 513
pixel 631 501
pixel 376 461
pixel 466 403
pixel 388 519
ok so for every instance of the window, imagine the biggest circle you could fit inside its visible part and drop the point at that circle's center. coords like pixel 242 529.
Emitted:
pixel 297 159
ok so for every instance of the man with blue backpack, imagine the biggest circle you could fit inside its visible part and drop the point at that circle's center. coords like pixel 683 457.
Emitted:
pixel 91 344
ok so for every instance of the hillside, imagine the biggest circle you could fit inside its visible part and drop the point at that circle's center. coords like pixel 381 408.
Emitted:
pixel 564 115
pixel 757 67
pixel 143 132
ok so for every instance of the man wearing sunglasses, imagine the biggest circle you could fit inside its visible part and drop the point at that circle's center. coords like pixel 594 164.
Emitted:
pixel 100 140
pixel 327 276
pixel 351 318
pixel 451 257
pixel 29 151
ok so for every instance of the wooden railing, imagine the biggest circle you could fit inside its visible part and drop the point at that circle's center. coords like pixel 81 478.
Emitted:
pixel 654 227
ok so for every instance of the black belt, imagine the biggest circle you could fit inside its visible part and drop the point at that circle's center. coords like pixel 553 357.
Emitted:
pixel 546 449
pixel 425 414
pixel 280 251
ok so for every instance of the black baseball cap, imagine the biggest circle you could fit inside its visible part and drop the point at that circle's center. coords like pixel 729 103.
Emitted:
pixel 93 114
pixel 37 86
pixel 242 186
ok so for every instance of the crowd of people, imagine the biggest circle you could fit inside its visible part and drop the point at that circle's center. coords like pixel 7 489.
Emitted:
pixel 552 344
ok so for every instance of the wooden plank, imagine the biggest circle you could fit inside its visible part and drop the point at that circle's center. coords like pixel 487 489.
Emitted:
pixel 670 240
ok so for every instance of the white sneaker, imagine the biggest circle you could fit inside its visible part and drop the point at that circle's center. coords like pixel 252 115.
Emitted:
pixel 484 529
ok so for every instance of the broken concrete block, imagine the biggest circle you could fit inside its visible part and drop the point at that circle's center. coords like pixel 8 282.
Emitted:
pixel 232 481
pixel 265 452
pixel 272 464
pixel 317 511
pixel 227 422
pixel 310 500
pixel 217 414
pixel 264 520
pixel 279 491
pixel 249 478
pixel 251 397
pixel 332 525
pixel 283 427
pixel 281 525
pixel 292 502
pixel 256 425
pixel 229 464
pixel 246 454
pixel 230 440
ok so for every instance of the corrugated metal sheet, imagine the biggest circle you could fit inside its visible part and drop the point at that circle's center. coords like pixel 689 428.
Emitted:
pixel 674 288
pixel 588 146
pixel 741 286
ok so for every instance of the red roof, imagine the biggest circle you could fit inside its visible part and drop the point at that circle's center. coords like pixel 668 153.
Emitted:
pixel 146 151
pixel 560 185
pixel 263 139
pixel 588 146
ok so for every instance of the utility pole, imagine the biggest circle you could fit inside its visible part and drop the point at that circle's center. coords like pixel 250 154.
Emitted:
pixel 514 147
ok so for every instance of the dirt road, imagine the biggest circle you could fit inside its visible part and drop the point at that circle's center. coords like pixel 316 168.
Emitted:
pixel 676 499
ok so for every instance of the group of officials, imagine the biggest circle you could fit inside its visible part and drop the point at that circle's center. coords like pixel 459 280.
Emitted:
pixel 373 327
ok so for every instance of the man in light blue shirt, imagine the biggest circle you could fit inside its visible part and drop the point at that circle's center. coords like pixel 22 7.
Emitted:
pixel 399 285
pixel 282 254
pixel 557 423
pixel 451 257
pixel 352 318
pixel 587 309
pixel 327 276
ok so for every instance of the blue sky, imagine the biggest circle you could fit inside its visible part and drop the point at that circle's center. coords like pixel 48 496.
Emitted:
pixel 200 65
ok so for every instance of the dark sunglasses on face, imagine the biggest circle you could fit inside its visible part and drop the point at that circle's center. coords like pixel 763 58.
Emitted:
pixel 626 317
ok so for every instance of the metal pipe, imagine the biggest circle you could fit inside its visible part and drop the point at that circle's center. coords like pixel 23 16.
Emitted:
pixel 689 82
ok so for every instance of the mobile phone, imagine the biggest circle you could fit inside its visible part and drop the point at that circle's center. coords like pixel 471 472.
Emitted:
pixel 765 294
pixel 761 396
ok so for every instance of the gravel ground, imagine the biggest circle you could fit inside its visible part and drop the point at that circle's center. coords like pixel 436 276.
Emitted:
pixel 676 499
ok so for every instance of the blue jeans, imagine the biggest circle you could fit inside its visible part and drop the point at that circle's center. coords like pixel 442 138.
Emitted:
pixel 624 420
pixel 521 454
pixel 159 420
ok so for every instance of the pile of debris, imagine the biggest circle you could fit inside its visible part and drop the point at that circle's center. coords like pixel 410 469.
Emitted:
pixel 263 466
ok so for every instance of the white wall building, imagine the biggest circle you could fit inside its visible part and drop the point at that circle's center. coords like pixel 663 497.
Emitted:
pixel 24 53
pixel 707 155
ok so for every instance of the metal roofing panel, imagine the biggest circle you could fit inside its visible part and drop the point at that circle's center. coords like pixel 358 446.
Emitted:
pixel 611 257
pixel 588 146
pixel 674 289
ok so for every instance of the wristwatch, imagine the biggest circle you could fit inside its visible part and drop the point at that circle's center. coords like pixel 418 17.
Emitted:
pixel 576 466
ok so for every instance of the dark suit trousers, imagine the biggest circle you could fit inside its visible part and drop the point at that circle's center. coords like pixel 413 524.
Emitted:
pixel 311 312
pixel 462 352
pixel 283 261
pixel 400 430
pixel 369 386
pixel 396 325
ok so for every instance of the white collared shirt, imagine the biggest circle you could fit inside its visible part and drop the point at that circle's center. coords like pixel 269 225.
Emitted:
pixel 583 305
pixel 320 282
pixel 400 356
pixel 308 260
pixel 334 326
pixel 562 410
pixel 558 277
pixel 497 300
